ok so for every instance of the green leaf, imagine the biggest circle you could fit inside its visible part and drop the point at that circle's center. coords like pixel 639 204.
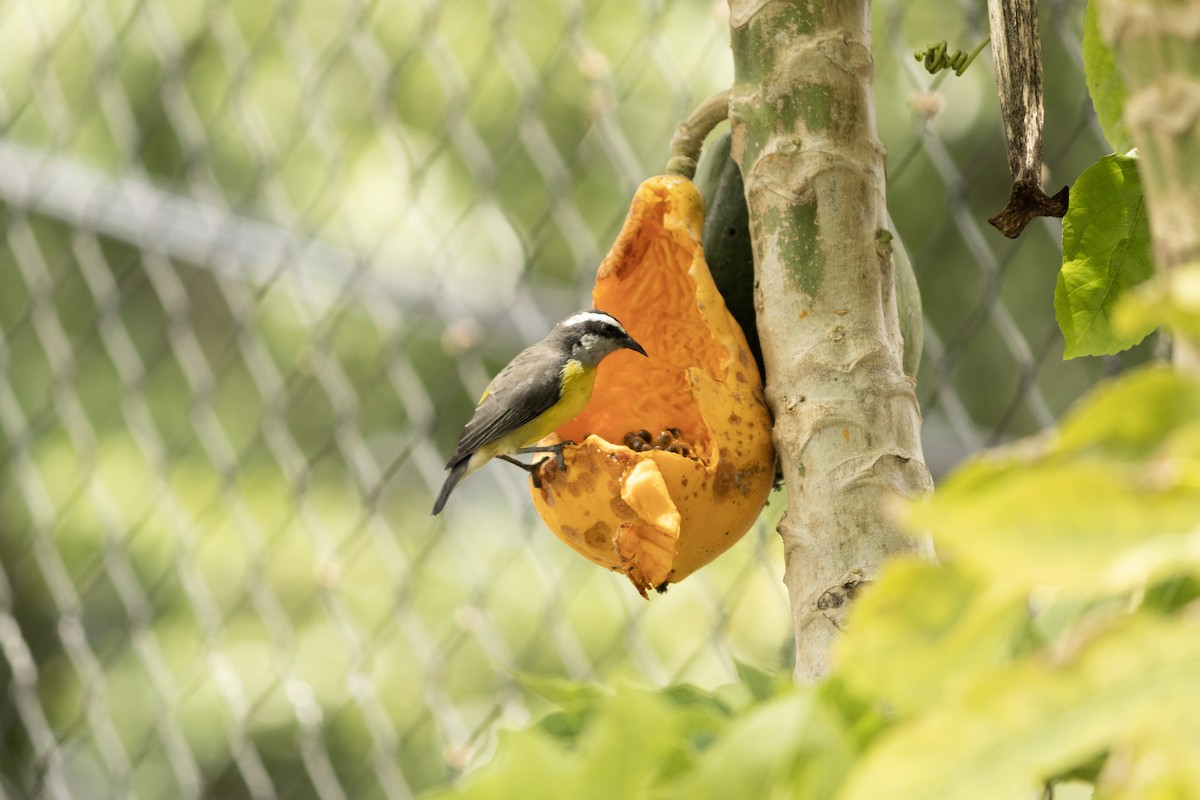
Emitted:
pixel 1039 717
pixel 761 684
pixel 678 742
pixel 565 725
pixel 576 701
pixel 523 758
pixel 1172 595
pixel 1111 505
pixel 863 715
pixel 603 744
pixel 1104 83
pixel 922 631
pixel 562 692
pixel 1131 416
pixel 1163 765
pixel 1172 299
pixel 701 717
pixel 791 746
pixel 1092 528
pixel 1106 250
pixel 632 738
pixel 631 745
pixel 685 695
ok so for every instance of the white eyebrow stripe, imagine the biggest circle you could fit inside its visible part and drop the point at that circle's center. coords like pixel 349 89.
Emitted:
pixel 584 317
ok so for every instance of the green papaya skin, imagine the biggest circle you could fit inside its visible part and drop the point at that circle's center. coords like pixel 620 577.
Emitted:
pixel 908 303
pixel 730 257
pixel 726 239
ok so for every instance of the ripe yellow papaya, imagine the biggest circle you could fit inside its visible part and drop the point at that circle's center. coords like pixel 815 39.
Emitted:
pixel 674 458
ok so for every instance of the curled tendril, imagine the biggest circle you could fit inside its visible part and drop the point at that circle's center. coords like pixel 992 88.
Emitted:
pixel 935 59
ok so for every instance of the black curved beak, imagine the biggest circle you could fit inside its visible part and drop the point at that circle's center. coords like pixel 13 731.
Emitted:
pixel 630 344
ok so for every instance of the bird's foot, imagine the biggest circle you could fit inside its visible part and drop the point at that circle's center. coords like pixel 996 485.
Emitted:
pixel 533 473
pixel 532 469
pixel 557 449
pixel 535 467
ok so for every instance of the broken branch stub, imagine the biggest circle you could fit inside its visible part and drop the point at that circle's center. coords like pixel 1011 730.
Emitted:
pixel 1017 55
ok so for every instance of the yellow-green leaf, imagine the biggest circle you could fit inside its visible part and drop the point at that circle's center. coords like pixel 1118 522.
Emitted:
pixel 1091 527
pixel 791 746
pixel 1111 503
pixel 1160 765
pixel 1172 299
pixel 922 631
pixel 1039 717
pixel 1133 415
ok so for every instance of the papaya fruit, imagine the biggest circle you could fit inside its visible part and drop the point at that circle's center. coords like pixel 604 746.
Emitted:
pixel 674 458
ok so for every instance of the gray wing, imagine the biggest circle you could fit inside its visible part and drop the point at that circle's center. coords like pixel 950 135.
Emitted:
pixel 518 394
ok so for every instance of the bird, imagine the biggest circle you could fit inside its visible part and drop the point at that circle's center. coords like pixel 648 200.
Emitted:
pixel 545 386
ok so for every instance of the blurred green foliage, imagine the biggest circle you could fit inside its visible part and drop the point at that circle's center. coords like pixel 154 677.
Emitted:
pixel 1059 638
pixel 214 526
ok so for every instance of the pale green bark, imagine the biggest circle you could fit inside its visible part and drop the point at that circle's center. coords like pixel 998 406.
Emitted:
pixel 847 424
pixel 1156 45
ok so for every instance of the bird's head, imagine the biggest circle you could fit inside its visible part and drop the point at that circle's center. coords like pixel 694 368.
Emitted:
pixel 590 335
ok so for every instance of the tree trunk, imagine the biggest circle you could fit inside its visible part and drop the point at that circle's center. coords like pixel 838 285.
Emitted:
pixel 847 425
pixel 1156 45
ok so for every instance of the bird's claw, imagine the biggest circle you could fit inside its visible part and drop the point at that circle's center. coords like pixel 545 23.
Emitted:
pixel 558 454
pixel 557 449
pixel 536 467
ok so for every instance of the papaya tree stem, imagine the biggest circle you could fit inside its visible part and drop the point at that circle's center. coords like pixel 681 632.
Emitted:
pixel 847 424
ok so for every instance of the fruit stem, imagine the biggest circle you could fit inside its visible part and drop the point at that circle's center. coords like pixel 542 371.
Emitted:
pixel 689 137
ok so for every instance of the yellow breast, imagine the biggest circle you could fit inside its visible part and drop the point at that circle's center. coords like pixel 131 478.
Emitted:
pixel 577 382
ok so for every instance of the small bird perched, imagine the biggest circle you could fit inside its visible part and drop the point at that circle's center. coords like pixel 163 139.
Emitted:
pixel 545 386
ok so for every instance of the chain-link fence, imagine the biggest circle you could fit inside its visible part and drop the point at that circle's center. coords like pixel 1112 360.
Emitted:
pixel 259 258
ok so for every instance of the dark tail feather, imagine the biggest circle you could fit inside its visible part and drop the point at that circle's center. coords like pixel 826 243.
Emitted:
pixel 456 475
